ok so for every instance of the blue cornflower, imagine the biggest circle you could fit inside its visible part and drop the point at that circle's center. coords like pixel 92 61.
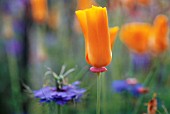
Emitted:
pixel 67 93
pixel 129 85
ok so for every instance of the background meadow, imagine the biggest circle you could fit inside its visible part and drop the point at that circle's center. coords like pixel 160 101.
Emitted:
pixel 31 41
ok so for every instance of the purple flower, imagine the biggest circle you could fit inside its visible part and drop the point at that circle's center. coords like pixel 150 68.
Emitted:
pixel 140 61
pixel 130 85
pixel 13 47
pixel 14 7
pixel 66 94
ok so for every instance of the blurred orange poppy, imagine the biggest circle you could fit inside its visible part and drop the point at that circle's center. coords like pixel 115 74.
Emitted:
pixel 136 36
pixel 39 10
pixel 159 35
pixel 53 18
pixel 144 2
pixel 83 4
pixel 98 41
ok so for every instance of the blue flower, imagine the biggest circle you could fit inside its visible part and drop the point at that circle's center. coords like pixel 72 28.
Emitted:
pixel 129 85
pixel 66 94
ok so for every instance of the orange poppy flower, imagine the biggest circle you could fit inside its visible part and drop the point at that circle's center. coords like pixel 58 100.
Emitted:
pixel 39 10
pixel 83 4
pixel 144 2
pixel 53 18
pixel 98 41
pixel 159 35
pixel 135 36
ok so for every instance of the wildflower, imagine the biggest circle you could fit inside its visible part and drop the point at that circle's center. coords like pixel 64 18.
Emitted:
pixel 63 92
pixel 67 93
pixel 159 36
pixel 39 10
pixel 144 2
pixel 140 61
pixel 13 47
pixel 129 85
pixel 152 105
pixel 53 18
pixel 136 36
pixel 98 41
pixel 83 4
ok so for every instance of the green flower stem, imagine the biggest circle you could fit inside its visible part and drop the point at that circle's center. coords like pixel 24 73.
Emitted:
pixel 59 109
pixel 15 86
pixel 148 79
pixel 98 93
pixel 104 97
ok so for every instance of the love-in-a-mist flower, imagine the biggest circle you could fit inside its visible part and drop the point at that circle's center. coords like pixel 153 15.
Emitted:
pixel 136 36
pixel 67 93
pixel 63 92
pixel 99 39
pixel 159 36
pixel 39 10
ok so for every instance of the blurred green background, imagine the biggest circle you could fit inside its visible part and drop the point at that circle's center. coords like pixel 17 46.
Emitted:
pixel 28 44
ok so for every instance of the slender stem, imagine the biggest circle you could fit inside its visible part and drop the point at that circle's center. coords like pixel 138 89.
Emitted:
pixel 59 109
pixel 165 109
pixel 104 97
pixel 15 87
pixel 98 93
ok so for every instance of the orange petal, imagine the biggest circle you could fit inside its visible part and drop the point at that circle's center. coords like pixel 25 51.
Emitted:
pixel 135 36
pixel 99 53
pixel 113 32
pixel 81 16
pixel 39 10
pixel 160 34
pixel 83 4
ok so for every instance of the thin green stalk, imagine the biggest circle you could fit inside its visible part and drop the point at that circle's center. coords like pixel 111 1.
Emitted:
pixel 104 97
pixel 165 109
pixel 15 86
pixel 98 93
pixel 59 109
pixel 148 79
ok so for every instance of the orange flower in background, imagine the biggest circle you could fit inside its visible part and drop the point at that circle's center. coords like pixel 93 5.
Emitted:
pixel 144 2
pixel 53 18
pixel 159 35
pixel 130 4
pixel 39 10
pixel 83 4
pixel 152 106
pixel 136 36
pixel 98 41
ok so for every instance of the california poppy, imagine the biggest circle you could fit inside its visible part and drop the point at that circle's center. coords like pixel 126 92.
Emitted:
pixel 83 4
pixel 98 41
pixel 39 10
pixel 159 35
pixel 136 36
pixel 144 2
